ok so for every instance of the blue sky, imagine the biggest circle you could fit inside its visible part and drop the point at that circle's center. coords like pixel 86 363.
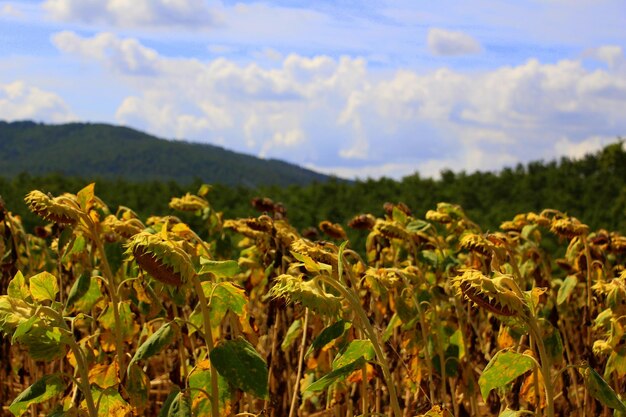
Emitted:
pixel 355 88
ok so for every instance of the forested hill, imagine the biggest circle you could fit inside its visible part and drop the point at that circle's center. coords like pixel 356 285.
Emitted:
pixel 592 188
pixel 105 151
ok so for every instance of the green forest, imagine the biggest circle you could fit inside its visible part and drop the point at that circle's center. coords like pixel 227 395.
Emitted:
pixel 592 189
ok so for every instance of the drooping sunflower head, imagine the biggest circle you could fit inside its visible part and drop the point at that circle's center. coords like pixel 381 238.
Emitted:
pixel 333 230
pixel 309 293
pixel 164 259
pixel 61 210
pixel 476 243
pixel 489 293
pixel 362 222
pixel 126 228
pixel 324 254
pixel 569 227
pixel 188 202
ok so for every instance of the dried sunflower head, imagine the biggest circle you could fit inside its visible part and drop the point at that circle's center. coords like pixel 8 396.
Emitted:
pixel 309 293
pixel 263 204
pixel 164 259
pixel 124 228
pixel 538 219
pixel 438 217
pixel 476 243
pixel 362 222
pixel 61 210
pixel 391 230
pixel 569 227
pixel 333 230
pixel 188 202
pixel 316 252
pixel 489 293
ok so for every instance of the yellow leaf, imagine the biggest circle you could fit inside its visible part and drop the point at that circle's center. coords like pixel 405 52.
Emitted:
pixel 105 376
pixel 528 390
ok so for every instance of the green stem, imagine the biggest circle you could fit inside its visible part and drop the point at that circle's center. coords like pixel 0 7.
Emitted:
pixel 208 339
pixel 371 335
pixel 85 387
pixel 112 289
pixel 81 363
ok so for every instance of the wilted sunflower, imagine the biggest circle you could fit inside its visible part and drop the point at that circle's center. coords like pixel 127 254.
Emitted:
pixel 61 210
pixel 164 259
pixel 188 202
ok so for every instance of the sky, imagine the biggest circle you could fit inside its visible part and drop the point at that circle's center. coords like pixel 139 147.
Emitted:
pixel 358 89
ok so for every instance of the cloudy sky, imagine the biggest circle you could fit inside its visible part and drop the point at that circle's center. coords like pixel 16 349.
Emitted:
pixel 356 88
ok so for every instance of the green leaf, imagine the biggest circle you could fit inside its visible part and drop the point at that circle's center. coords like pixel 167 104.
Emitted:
pixel 42 390
pixel 553 342
pixel 221 269
pixel 115 255
pixel 241 365
pixel 417 226
pixel 138 387
pixel 180 406
pixel 79 289
pixel 502 369
pixel 393 323
pixel 399 216
pixel 23 328
pixel 110 403
pixel 293 332
pixel 126 319
pixel 77 246
pixel 616 363
pixel 155 343
pixel 456 339
pixel 18 288
pixel 165 409
pixel 600 390
pixel 43 342
pixel 90 298
pixel 566 289
pixel 329 334
pixel 352 352
pixel 201 378
pixel 336 375
pixel 44 286
pixel 225 296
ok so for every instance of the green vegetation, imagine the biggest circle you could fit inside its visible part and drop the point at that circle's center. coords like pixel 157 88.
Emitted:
pixel 592 189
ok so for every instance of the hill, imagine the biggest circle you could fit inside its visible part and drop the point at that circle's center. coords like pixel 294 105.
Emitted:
pixel 105 151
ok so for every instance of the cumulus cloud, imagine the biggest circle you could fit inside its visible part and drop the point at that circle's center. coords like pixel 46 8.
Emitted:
pixel 450 43
pixel 326 113
pixel 19 101
pixel 126 56
pixel 135 13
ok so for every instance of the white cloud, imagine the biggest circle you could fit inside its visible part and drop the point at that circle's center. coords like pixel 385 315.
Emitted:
pixel 126 56
pixel 135 13
pixel 326 113
pixel 448 43
pixel 577 150
pixel 19 101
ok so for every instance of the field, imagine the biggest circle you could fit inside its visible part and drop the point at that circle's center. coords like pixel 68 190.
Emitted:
pixel 104 313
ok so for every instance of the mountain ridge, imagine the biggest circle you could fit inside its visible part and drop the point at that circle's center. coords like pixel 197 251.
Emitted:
pixel 100 150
